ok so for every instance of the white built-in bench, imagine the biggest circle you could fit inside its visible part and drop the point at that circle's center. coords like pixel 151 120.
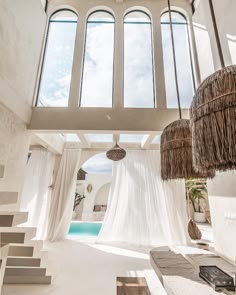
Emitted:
pixel 179 270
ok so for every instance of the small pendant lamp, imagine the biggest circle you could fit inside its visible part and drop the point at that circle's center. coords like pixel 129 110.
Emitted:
pixel 213 116
pixel 116 153
pixel 176 140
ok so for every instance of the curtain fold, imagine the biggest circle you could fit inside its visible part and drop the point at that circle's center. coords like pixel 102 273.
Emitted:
pixel 63 195
pixel 142 209
pixel 36 191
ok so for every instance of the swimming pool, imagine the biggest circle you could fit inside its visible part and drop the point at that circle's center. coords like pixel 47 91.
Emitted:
pixel 84 229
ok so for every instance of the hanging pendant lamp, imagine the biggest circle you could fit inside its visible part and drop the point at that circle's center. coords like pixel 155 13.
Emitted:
pixel 116 153
pixel 213 116
pixel 176 140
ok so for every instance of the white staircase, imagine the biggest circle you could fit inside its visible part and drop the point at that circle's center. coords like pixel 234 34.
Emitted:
pixel 22 260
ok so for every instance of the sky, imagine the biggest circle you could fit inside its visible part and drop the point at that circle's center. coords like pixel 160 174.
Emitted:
pixel 98 164
pixel 97 82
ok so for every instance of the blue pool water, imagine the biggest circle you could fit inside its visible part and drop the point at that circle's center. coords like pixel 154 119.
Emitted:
pixel 84 228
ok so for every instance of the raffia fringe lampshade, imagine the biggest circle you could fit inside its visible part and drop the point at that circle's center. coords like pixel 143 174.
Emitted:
pixel 116 153
pixel 213 121
pixel 176 152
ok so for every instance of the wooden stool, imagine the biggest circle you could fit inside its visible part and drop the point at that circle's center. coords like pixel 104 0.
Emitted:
pixel 132 286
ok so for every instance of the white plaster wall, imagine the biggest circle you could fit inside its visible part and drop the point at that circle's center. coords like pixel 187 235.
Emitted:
pixel 22 26
pixel 222 199
pixel 80 189
pixel 202 28
pixel 222 189
pixel 74 118
pixel 14 147
pixel 97 181
pixel 205 39
pixel 225 14
pixel 101 197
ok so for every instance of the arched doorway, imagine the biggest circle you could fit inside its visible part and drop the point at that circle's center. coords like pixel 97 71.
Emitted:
pixel 93 184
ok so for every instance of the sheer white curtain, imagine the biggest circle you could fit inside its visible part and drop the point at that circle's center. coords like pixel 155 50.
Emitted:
pixel 142 209
pixel 63 195
pixel 36 192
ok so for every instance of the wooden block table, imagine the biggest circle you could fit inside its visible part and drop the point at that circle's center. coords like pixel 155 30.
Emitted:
pixel 132 286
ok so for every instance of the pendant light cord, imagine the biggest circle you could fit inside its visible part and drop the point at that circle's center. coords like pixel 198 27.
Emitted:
pixel 219 47
pixel 174 59
pixel 46 6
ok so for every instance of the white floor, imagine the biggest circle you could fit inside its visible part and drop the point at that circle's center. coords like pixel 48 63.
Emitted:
pixel 86 268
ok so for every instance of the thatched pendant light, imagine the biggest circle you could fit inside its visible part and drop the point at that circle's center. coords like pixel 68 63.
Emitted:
pixel 176 140
pixel 213 117
pixel 176 153
pixel 116 153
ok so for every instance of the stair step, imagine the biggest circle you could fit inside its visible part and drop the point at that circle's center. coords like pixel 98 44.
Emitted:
pixel 29 249
pixel 27 280
pixel 24 271
pixel 16 234
pixel 7 198
pixel 8 237
pixel 8 219
pixel 25 261
pixel 21 250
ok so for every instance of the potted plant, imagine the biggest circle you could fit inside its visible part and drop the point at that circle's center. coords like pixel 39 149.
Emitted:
pixel 77 200
pixel 196 193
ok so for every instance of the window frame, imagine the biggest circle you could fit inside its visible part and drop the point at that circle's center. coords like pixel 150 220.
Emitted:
pixel 155 104
pixel 189 43
pixel 44 50
pixel 83 62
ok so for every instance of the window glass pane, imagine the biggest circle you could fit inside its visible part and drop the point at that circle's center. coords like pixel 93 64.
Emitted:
pixel 57 65
pixel 71 137
pixel 131 138
pixel 183 61
pixel 97 84
pixel 138 61
pixel 100 137
pixel 157 139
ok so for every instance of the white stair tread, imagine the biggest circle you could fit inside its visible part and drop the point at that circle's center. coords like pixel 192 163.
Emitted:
pixel 13 213
pixel 17 229
pixel 30 243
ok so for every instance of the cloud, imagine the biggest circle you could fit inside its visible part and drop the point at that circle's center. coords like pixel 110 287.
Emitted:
pixel 138 66
pixel 97 85
pixel 98 164
pixel 57 67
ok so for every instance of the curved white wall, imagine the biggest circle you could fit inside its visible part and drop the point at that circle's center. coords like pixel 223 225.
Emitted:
pixel 101 197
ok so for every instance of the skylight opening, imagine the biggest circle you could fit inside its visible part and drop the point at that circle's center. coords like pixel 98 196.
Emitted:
pixel 157 139
pixel 71 137
pixel 100 137
pixel 131 138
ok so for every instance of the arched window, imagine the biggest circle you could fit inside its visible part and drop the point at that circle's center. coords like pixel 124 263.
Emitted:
pixel 97 82
pixel 54 87
pixel 138 61
pixel 183 60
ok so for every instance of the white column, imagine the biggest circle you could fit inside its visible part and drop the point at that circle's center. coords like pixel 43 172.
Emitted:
pixel 118 86
pixel 158 61
pixel 76 78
